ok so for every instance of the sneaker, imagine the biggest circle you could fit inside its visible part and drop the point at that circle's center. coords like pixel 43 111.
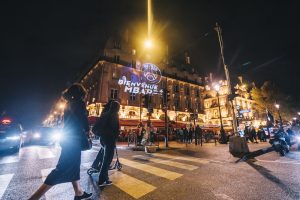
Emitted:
pixel 84 196
pixel 105 183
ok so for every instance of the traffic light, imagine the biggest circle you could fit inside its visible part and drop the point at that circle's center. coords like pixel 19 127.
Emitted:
pixel 166 96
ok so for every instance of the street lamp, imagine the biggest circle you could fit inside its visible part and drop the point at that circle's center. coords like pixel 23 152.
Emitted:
pixel 278 106
pixel 148 43
pixel 222 131
pixel 298 113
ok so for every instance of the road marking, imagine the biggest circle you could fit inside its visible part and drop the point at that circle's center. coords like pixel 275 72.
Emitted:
pixel 57 192
pixel 277 161
pixel 192 159
pixel 45 153
pixel 9 159
pixel 130 185
pixel 150 169
pixel 223 196
pixel 4 182
pixel 168 162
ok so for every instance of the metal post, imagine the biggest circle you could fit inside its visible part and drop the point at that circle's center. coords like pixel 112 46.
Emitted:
pixel 222 131
pixel 220 110
pixel 219 31
pixel 281 124
pixel 166 114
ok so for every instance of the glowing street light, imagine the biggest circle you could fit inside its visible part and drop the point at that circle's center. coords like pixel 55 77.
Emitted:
pixel 298 113
pixel 217 88
pixel 61 106
pixel 148 44
pixel 278 106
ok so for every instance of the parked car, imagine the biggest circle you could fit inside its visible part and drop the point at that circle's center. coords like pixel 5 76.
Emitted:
pixel 11 134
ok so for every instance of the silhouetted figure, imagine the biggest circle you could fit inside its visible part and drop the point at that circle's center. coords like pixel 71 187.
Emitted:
pixel 75 128
pixel 109 137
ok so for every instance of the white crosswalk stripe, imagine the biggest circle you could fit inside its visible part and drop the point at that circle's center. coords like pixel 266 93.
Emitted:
pixel 132 186
pixel 9 159
pixel 152 170
pixel 167 162
pixel 4 182
pixel 185 158
pixel 45 153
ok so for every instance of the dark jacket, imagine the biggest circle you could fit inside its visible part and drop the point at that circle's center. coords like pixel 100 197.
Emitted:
pixel 108 125
pixel 75 120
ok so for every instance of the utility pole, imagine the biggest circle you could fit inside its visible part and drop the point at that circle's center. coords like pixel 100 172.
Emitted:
pixel 230 98
pixel 165 104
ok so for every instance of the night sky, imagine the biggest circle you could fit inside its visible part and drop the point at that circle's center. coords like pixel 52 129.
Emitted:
pixel 45 44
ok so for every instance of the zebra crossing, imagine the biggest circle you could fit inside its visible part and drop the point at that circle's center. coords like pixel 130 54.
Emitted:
pixel 122 181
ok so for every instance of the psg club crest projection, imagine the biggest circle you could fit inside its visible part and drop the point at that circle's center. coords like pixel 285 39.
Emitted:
pixel 143 81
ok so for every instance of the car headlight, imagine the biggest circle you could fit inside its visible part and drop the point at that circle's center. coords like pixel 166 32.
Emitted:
pixel 57 136
pixel 15 137
pixel 36 135
pixel 298 138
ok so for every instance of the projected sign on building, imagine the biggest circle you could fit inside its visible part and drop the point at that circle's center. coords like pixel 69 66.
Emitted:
pixel 147 83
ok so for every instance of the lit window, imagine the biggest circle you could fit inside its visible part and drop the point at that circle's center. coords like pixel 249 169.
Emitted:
pixel 114 94
pixel 132 97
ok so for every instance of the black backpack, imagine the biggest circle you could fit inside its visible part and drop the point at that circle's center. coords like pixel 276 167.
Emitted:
pixel 101 126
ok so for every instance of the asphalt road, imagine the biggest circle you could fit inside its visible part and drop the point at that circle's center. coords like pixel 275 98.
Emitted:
pixel 207 172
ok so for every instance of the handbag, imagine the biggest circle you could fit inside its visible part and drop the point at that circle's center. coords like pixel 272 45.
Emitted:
pixel 86 142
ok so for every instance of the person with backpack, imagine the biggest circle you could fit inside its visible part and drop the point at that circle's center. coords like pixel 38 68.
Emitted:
pixel 108 128
pixel 75 128
pixel 99 157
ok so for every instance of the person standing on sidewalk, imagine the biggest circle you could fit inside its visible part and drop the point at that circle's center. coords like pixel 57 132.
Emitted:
pixel 109 135
pixel 185 135
pixel 75 127
pixel 198 135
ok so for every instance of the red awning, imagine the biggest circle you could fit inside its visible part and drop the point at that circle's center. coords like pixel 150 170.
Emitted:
pixel 92 119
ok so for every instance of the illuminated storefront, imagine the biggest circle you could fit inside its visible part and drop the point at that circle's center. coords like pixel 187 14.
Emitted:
pixel 108 80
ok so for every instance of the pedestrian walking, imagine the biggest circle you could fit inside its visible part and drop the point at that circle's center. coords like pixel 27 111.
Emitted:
pixel 75 129
pixel 109 135
pixel 99 157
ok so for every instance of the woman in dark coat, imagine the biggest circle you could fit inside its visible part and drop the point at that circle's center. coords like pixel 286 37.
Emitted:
pixel 109 137
pixel 75 128
pixel 99 158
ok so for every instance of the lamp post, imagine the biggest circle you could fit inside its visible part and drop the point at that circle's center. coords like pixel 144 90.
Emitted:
pixel 230 97
pixel 222 131
pixel 280 119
